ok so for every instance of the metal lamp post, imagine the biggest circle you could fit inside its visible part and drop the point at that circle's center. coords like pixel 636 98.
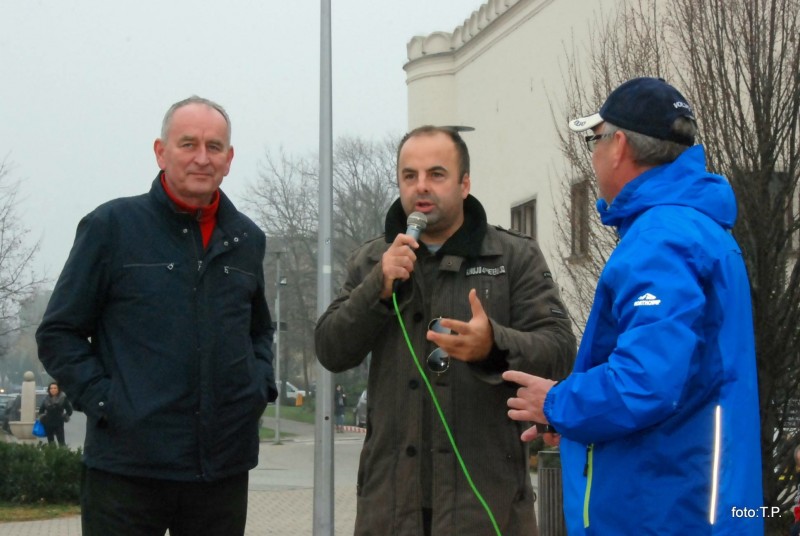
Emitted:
pixel 279 282
pixel 323 425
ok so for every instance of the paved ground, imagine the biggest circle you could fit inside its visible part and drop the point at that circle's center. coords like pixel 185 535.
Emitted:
pixel 282 513
pixel 281 486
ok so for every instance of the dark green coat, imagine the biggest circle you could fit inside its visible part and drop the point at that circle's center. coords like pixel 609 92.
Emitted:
pixel 406 445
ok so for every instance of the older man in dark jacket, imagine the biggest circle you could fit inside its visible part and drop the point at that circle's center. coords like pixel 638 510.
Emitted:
pixel 495 292
pixel 158 329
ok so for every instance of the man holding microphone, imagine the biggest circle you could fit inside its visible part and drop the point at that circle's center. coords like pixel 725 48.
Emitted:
pixel 476 300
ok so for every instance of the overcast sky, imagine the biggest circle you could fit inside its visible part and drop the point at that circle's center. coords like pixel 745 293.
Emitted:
pixel 84 85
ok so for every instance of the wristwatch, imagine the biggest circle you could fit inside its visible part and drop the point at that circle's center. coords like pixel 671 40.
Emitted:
pixel 545 428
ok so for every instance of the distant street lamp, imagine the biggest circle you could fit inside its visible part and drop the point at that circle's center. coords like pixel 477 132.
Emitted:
pixel 280 281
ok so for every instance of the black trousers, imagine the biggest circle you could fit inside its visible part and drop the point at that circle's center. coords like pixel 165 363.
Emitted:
pixel 55 432
pixel 115 505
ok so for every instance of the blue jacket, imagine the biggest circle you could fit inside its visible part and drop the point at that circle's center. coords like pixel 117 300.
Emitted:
pixel 165 345
pixel 666 370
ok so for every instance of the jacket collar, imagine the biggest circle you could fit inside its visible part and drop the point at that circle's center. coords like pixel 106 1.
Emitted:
pixel 201 214
pixel 465 242
pixel 227 214
pixel 50 400
pixel 684 182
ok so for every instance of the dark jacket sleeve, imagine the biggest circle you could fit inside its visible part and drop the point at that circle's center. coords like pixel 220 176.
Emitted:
pixel 63 337
pixel 261 331
pixel 538 339
pixel 357 312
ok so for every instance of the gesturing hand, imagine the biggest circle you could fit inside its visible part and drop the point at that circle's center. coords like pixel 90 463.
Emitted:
pixel 529 402
pixel 470 341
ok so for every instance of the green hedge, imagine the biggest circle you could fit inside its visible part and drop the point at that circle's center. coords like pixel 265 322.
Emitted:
pixel 39 473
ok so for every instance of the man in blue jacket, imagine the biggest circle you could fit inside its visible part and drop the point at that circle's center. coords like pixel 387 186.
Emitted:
pixel 158 329
pixel 659 420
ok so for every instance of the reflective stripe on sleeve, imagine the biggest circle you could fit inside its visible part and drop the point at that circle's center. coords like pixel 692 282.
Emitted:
pixel 715 469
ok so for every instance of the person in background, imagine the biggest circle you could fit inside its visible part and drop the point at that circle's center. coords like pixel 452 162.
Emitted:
pixel 13 413
pixel 476 300
pixel 659 420
pixel 340 401
pixel 159 331
pixel 53 413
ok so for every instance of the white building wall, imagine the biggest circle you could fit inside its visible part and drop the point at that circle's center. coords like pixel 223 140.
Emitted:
pixel 498 73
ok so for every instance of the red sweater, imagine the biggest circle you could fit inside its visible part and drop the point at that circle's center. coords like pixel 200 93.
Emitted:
pixel 206 216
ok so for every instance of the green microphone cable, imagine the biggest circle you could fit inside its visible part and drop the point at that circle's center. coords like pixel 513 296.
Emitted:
pixel 442 418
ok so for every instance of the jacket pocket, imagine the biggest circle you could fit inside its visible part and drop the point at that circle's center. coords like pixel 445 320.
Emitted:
pixel 239 280
pixel 242 372
pixel 140 280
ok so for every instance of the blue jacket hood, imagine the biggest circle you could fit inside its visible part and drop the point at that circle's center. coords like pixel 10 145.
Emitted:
pixel 684 182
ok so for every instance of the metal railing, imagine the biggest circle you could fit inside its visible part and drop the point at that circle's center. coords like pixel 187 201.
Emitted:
pixel 550 500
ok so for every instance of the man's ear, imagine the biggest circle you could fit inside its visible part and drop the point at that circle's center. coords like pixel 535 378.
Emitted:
pixel 158 149
pixel 620 150
pixel 466 184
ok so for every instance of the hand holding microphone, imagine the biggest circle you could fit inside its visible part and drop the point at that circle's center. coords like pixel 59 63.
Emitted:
pixel 398 261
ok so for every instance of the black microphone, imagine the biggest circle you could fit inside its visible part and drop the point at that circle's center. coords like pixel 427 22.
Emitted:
pixel 415 224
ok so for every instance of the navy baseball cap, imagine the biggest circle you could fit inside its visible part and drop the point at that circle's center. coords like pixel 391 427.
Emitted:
pixel 648 106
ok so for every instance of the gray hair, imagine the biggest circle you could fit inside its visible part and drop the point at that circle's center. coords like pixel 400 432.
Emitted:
pixel 649 151
pixel 194 99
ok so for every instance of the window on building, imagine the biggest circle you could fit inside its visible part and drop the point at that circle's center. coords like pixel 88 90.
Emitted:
pixel 523 218
pixel 579 218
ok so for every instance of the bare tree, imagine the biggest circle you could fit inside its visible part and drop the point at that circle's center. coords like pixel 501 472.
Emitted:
pixel 624 44
pixel 18 281
pixel 738 62
pixel 285 198
pixel 20 346
pixel 364 185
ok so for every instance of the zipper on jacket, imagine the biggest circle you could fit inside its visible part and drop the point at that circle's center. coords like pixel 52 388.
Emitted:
pixel 229 269
pixel 167 265
pixel 587 472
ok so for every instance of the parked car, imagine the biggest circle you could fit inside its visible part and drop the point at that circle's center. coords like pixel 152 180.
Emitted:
pixel 6 400
pixel 360 411
pixel 41 394
pixel 5 410
pixel 292 391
